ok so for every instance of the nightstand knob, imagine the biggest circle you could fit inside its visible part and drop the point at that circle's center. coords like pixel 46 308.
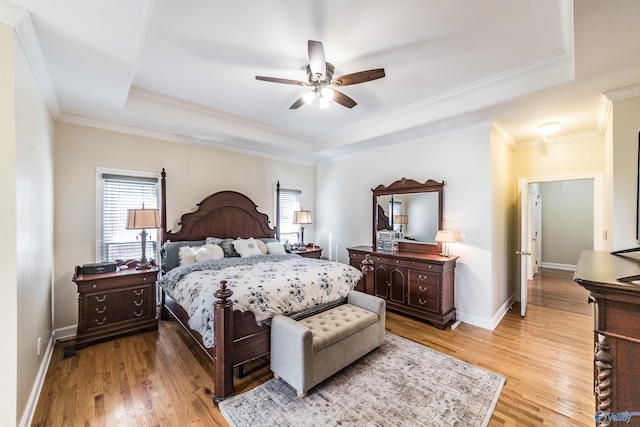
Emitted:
pixel 144 279
pixel 138 292
pixel 101 299
pixel 101 311
pixel 94 286
pixel 138 314
pixel 138 303
pixel 103 321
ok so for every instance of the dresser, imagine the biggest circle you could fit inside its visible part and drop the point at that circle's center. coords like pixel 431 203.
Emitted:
pixel 616 327
pixel 413 283
pixel 111 304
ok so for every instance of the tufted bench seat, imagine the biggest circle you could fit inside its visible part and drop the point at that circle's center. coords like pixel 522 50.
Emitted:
pixel 310 350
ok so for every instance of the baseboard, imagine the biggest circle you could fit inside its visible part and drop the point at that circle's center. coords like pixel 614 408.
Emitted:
pixel 558 266
pixel 483 322
pixel 68 332
pixel 30 409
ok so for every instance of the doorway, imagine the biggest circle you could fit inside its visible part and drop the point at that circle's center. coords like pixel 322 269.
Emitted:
pixel 554 226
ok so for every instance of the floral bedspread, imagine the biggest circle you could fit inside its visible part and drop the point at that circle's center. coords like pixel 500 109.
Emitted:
pixel 266 285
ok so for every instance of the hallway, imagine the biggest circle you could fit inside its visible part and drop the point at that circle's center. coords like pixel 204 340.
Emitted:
pixel 554 288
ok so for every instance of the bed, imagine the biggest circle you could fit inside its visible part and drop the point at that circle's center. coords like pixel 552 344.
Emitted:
pixel 226 303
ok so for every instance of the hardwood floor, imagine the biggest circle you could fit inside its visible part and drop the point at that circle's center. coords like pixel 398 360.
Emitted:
pixel 161 379
pixel 555 288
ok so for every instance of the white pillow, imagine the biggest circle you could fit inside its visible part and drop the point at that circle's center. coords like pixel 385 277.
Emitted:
pixel 208 252
pixel 247 247
pixel 275 248
pixel 187 254
pixel 262 246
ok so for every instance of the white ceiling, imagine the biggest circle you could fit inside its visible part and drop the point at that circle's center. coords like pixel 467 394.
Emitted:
pixel 185 70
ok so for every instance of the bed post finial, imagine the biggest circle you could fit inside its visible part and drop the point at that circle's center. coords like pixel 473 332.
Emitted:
pixel 223 344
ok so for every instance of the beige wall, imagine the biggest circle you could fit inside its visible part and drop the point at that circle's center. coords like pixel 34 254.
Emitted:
pixel 503 205
pixel 193 172
pixel 567 220
pixel 27 213
pixel 8 271
pixel 625 128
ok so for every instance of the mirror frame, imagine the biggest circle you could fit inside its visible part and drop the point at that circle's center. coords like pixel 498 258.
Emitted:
pixel 409 186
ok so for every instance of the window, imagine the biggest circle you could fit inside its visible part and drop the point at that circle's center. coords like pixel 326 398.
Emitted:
pixel 119 192
pixel 290 201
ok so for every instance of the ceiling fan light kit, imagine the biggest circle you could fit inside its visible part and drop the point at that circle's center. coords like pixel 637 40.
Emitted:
pixel 320 79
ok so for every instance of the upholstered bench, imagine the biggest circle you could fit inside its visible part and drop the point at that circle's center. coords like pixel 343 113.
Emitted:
pixel 310 350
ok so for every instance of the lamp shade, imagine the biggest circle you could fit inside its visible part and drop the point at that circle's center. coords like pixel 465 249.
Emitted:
pixel 143 218
pixel 445 236
pixel 302 217
pixel 401 219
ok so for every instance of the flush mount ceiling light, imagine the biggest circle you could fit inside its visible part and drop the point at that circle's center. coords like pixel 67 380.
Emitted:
pixel 549 128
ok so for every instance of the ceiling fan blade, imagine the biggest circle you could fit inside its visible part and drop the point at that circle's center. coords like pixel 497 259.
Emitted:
pixel 343 99
pixel 317 61
pixel 285 81
pixel 297 104
pixel 360 77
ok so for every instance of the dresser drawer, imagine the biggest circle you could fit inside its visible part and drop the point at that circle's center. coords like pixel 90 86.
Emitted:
pixel 117 281
pixel 424 290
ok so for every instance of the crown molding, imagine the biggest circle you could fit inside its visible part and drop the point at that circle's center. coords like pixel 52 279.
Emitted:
pixel 20 20
pixel 503 135
pixel 623 93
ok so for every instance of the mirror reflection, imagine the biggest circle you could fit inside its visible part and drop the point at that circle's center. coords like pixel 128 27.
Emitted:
pixel 414 215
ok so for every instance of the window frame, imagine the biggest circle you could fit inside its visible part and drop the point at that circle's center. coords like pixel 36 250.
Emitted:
pixel 99 227
pixel 291 188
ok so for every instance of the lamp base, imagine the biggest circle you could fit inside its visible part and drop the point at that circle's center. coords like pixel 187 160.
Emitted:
pixel 143 265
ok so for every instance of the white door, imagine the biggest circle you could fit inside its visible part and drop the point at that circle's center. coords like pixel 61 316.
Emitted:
pixel 523 252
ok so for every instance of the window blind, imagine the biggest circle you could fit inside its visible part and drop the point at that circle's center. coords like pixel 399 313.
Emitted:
pixel 290 201
pixel 119 194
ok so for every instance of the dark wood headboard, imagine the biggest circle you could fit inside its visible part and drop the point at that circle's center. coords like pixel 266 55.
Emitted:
pixel 225 214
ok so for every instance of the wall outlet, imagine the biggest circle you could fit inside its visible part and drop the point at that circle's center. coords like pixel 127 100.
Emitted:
pixel 465 234
pixel 39 346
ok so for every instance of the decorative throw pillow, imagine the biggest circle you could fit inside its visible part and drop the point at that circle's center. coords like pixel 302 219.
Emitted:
pixel 187 254
pixel 275 248
pixel 209 252
pixel 262 246
pixel 213 241
pixel 247 247
pixel 228 249
pixel 170 256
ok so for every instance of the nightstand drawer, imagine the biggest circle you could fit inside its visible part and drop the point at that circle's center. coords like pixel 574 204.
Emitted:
pixel 120 279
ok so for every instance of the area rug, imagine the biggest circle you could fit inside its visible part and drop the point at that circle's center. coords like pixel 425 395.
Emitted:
pixel 402 383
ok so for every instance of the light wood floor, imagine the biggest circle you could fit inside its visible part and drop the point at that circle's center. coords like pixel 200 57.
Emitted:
pixel 160 379
pixel 556 289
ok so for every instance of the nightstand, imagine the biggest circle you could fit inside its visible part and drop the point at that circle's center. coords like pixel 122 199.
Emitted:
pixel 116 303
pixel 310 252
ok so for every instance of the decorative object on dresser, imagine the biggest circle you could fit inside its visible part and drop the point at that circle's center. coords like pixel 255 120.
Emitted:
pixel 445 237
pixel 616 327
pixel 302 218
pixel 142 219
pixel 115 303
pixel 414 278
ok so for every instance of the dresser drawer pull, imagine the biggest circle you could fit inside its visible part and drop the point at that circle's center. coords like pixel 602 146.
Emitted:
pixel 98 299
pixel 138 314
pixel 101 323
pixel 422 302
pixel 422 289
pixel 139 303
pixel 430 266
pixel 101 311
pixel 138 292
pixel 422 278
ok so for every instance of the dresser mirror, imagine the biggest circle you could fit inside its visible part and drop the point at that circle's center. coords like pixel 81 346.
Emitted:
pixel 408 214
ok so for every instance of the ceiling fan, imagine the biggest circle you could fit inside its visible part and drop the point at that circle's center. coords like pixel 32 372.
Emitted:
pixel 320 76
